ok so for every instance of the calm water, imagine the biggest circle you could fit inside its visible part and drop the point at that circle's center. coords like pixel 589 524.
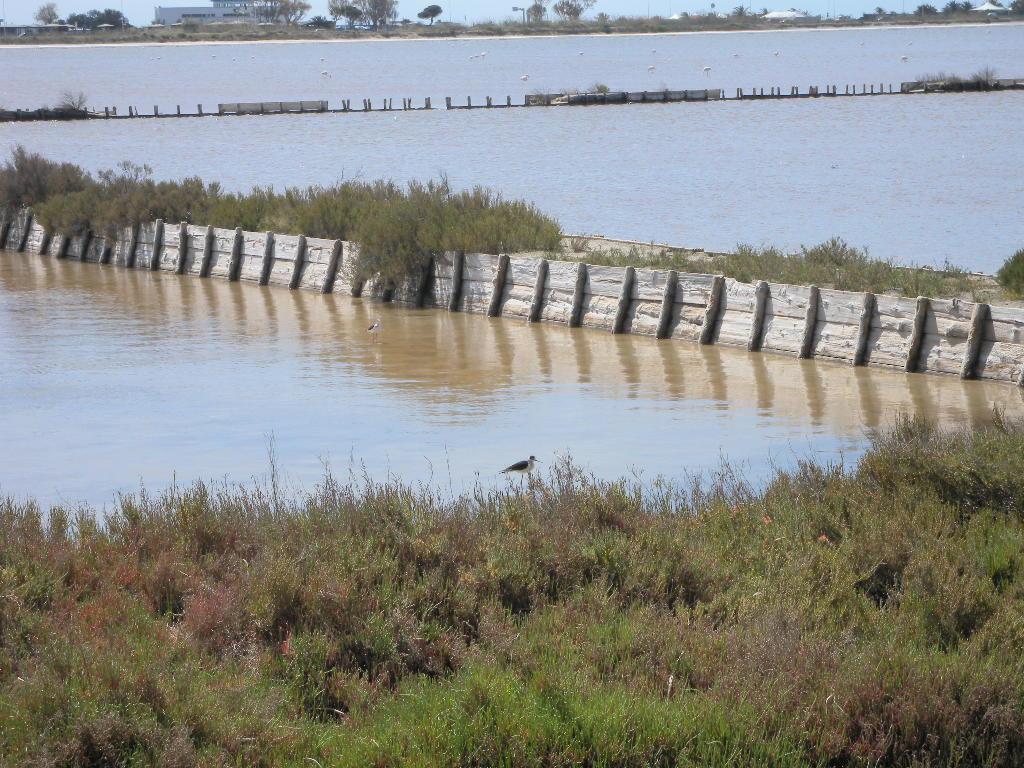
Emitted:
pixel 111 378
pixel 916 179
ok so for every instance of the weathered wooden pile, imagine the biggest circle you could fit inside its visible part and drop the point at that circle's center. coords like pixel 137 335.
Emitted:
pixel 944 336
pixel 570 99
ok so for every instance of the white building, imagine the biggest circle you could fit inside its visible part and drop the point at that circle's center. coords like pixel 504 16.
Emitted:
pixel 220 11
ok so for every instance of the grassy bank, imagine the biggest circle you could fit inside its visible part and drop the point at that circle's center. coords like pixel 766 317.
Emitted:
pixel 872 617
pixel 602 25
pixel 399 228
pixel 832 264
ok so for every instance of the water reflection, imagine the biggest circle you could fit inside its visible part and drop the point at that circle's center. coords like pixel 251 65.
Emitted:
pixel 118 375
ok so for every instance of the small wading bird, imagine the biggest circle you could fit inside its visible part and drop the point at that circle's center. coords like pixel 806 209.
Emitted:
pixel 521 467
pixel 374 328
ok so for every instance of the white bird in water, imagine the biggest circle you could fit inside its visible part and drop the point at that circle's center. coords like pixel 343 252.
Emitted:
pixel 325 73
pixel 521 467
pixel 735 55
pixel 776 53
pixel 904 59
pixel 524 78
pixel 483 55
pixel 707 71
pixel 581 53
pixel 650 68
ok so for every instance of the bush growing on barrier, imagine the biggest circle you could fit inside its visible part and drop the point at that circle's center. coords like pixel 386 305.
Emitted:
pixel 397 228
pixel 28 179
pixel 871 616
pixel 1011 274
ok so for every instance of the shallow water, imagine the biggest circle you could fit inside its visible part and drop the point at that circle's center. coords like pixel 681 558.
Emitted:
pixel 916 179
pixel 110 378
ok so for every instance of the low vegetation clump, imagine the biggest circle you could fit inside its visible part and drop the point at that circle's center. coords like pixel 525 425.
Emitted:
pixel 398 228
pixel 832 264
pixel 1011 275
pixel 864 617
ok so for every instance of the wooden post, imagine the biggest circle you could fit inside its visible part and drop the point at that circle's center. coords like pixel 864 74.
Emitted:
pixel 86 241
pixel 133 242
pixel 498 286
pixel 625 299
pixel 490 102
pixel 235 265
pixel 538 291
pixel 575 316
pixel 713 310
pixel 974 338
pixel 332 267
pixel 106 112
pixel 25 232
pixel 867 311
pixel 447 102
pixel 757 321
pixel 156 111
pixel 917 335
pixel 469 102
pixel 5 225
pixel 179 268
pixel 44 242
pixel 458 264
pixel 158 244
pixel 204 265
pixel 668 301
pixel 426 277
pixel 200 110
pixel 179 110
pixel 426 103
pixel 268 259
pixel 810 321
pixel 300 258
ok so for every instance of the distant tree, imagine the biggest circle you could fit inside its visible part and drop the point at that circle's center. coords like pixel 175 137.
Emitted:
pixel 536 12
pixel 265 11
pixel 1017 6
pixel 571 10
pixel 93 19
pixel 926 10
pixel 378 12
pixel 47 13
pixel 320 22
pixel 879 11
pixel 292 11
pixel 430 12
pixel 739 12
pixel 339 9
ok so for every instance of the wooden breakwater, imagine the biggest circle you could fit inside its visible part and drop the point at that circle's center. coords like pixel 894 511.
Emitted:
pixel 568 99
pixel 941 336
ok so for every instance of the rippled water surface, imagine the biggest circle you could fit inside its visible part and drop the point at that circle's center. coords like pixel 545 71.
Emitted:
pixel 924 179
pixel 111 378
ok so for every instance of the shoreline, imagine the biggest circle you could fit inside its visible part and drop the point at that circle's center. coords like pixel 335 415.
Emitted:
pixel 511 36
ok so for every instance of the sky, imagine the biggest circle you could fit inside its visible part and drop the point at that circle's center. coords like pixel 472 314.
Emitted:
pixel 140 12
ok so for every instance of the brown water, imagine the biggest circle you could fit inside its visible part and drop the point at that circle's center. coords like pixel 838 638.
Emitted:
pixel 111 378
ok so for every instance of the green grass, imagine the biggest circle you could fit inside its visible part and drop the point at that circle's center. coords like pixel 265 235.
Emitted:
pixel 832 264
pixel 872 616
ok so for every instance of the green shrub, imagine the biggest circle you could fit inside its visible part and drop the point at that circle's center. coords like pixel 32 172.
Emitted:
pixel 871 616
pixel 27 179
pixel 1011 274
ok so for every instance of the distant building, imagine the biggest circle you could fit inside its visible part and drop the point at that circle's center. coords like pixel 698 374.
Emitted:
pixel 220 11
